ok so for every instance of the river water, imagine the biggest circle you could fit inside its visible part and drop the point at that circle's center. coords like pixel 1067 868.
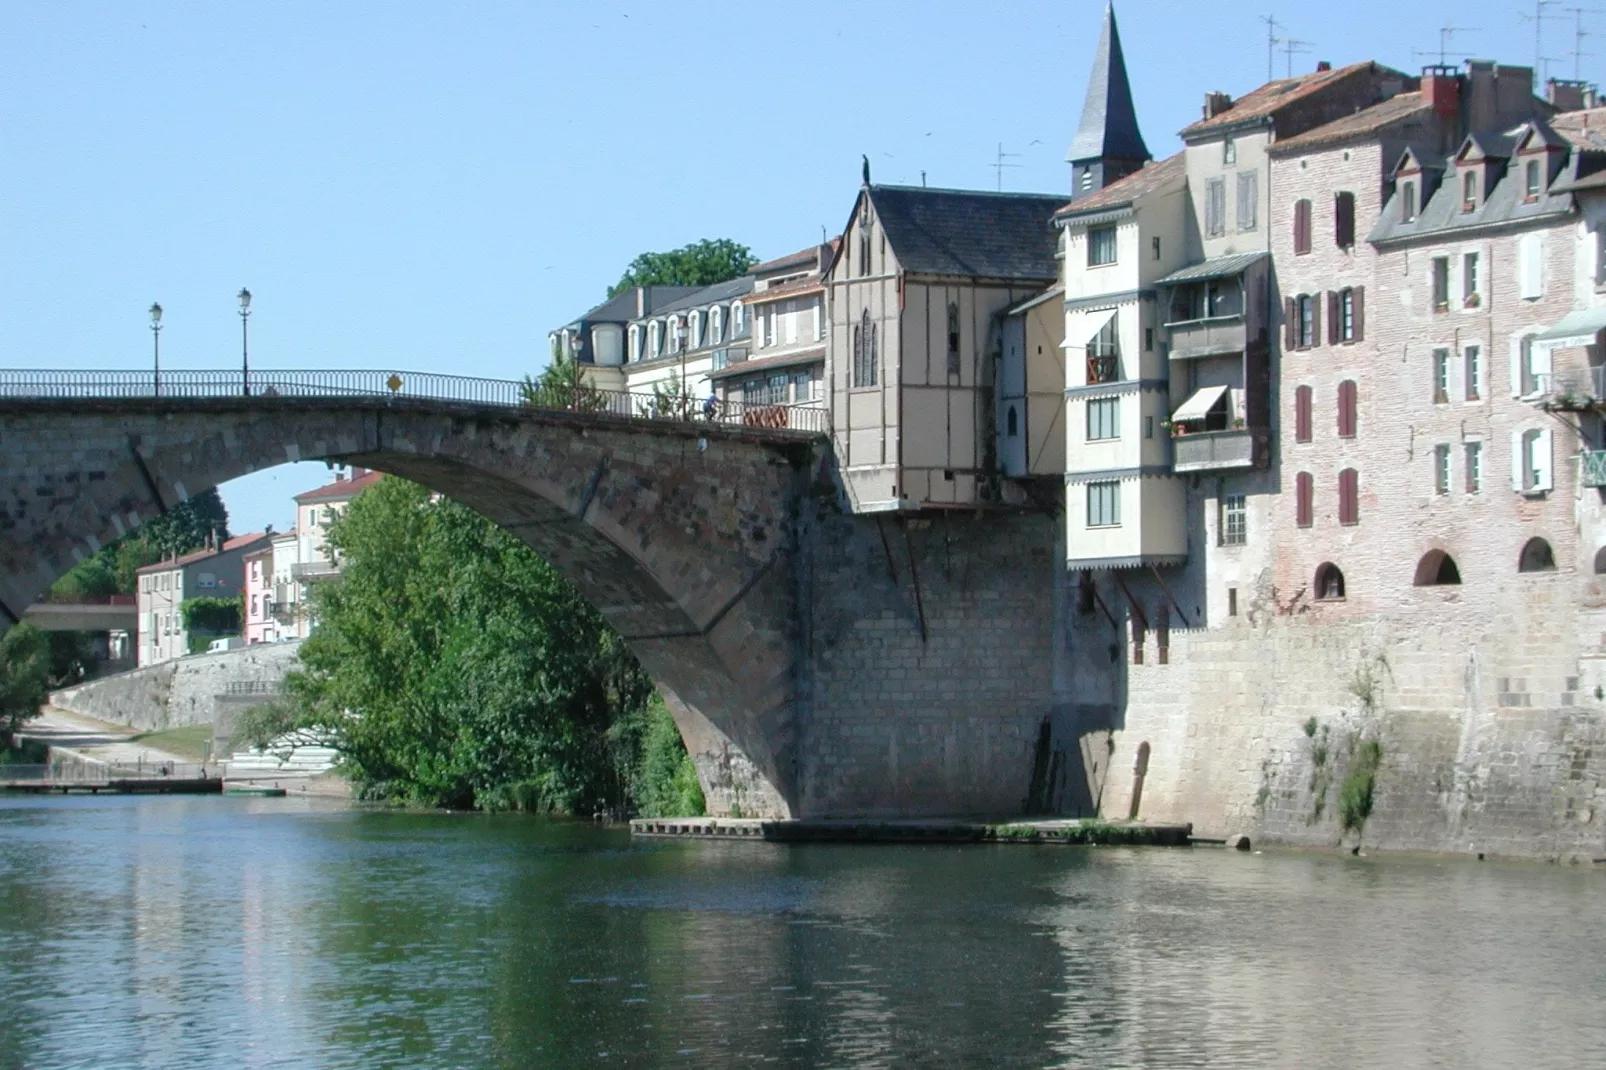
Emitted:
pixel 285 933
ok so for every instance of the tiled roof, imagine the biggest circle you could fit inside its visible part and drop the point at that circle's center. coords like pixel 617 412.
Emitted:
pixel 706 295
pixel 1151 177
pixel 968 232
pixel 1273 97
pixel 236 543
pixel 1582 129
pixel 342 488
pixel 811 355
pixel 622 309
pixel 1404 108
pixel 1221 267
pixel 802 256
pixel 1504 203
pixel 806 285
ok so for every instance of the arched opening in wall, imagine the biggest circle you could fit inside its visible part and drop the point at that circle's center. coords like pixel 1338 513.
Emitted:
pixel 1140 770
pixel 1436 569
pixel 1013 422
pixel 1536 557
pixel 1329 582
pixel 1600 561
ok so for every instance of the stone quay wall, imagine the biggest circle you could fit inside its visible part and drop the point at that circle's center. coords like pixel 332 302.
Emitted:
pixel 189 690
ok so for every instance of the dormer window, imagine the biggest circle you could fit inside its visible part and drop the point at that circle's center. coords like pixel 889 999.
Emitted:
pixel 1408 202
pixel 1469 192
pixel 716 325
pixel 738 320
pixel 1532 174
pixel 655 339
pixel 635 342
pixel 696 341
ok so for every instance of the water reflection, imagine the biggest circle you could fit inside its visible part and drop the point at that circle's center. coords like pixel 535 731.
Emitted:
pixel 168 932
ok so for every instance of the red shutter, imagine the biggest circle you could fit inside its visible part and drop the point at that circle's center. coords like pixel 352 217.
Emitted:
pixel 1346 409
pixel 1301 227
pixel 1348 494
pixel 1344 220
pixel 1316 319
pixel 1304 488
pixel 1289 341
pixel 1359 314
pixel 1335 318
pixel 1302 414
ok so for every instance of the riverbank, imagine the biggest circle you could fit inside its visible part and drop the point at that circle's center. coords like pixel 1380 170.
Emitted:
pixel 1075 831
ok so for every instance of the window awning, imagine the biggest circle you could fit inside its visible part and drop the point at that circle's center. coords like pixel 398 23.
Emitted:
pixel 1199 405
pixel 1219 268
pixel 1081 328
pixel 1575 329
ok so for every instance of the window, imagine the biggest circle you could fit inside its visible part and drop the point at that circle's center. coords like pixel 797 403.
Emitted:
pixel 1013 422
pixel 1154 248
pixel 1234 520
pixel 1103 504
pixel 1344 220
pixel 1104 353
pixel 1469 281
pixel 1248 199
pixel 1441 284
pixel 1304 321
pixel 1532 189
pixel 1472 371
pixel 953 338
pixel 1148 339
pixel 1347 392
pixel 819 319
pixel 1232 601
pixel 1148 427
pixel 738 320
pixel 1441 469
pixel 770 314
pixel 1216 207
pixel 673 328
pixel 1229 150
pixel 254 606
pixel 696 337
pixel 1301 227
pixel 864 352
pixel 1536 557
pixel 1408 202
pixel 864 254
pixel 1103 419
pixel 655 339
pixel 1349 497
pixel 1100 246
pixel 1530 267
pixel 1531 461
pixel 1087 179
pixel 1441 376
pixel 1304 499
pixel 1469 191
pixel 1302 399
pixel 1329 582
pixel 1474 465
pixel 1436 569
pixel 1345 323
pixel 635 342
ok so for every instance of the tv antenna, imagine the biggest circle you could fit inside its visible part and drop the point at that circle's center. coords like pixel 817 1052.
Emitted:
pixel 1538 19
pixel 1291 46
pixel 1444 53
pixel 999 165
pixel 1272 41
pixel 1579 33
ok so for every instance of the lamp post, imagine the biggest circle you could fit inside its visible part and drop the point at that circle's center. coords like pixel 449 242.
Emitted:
pixel 680 343
pixel 156 346
pixel 245 346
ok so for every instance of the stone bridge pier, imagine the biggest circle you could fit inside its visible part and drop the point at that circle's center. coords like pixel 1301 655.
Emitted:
pixel 817 664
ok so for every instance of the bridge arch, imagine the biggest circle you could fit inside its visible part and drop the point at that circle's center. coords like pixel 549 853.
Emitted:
pixel 680 535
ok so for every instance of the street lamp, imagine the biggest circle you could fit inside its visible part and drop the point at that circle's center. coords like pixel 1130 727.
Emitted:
pixel 680 343
pixel 156 345
pixel 245 347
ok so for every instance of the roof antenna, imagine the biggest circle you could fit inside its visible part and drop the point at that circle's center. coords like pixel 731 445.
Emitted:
pixel 1292 45
pixel 866 160
pixel 922 180
pixel 1579 33
pixel 1272 41
pixel 1444 53
pixel 999 164
pixel 1538 19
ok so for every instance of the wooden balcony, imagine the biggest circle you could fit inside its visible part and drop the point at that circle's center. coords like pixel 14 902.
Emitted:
pixel 1192 339
pixel 1215 451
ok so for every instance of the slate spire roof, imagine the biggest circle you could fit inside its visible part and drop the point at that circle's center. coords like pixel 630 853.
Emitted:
pixel 1109 121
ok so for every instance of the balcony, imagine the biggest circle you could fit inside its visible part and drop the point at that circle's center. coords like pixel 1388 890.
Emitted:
pixel 724 358
pixel 303 571
pixel 1592 468
pixel 1103 370
pixel 1217 336
pixel 1569 391
pixel 1214 451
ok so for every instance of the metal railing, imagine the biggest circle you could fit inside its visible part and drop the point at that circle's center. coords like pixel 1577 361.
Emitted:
pixel 1582 385
pixel 311 570
pixel 500 393
pixel 100 774
pixel 1592 468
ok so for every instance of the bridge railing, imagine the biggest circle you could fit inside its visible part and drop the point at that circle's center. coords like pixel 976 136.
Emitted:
pixel 501 393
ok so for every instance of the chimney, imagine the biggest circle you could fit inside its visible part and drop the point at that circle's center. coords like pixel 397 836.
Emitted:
pixel 822 259
pixel 1323 66
pixel 1568 95
pixel 643 300
pixel 357 471
pixel 1215 103
pixel 1498 96
pixel 1441 87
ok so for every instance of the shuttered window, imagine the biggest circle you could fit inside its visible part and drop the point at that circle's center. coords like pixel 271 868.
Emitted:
pixel 1349 509
pixel 1344 220
pixel 1304 499
pixel 1248 198
pixel 1358 299
pixel 1346 408
pixel 1301 227
pixel 1302 398
pixel 1530 267
pixel 1216 207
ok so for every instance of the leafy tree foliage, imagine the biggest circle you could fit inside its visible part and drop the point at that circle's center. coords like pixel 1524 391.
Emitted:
pixel 454 667
pixel 184 528
pixel 701 263
pixel 562 385
pixel 24 677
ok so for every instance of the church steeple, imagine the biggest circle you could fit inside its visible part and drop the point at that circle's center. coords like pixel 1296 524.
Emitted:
pixel 1108 144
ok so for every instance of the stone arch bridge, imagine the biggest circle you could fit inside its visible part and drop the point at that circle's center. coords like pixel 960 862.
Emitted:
pixel 807 671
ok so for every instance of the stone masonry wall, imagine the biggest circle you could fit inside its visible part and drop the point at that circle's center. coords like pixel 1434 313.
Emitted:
pixel 180 692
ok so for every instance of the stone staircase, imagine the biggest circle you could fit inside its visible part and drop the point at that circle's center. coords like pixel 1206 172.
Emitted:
pixel 292 754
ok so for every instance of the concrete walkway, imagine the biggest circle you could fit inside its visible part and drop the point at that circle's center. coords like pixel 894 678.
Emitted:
pixel 96 740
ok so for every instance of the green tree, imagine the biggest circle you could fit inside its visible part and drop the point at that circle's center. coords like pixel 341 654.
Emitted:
pixel 187 525
pixel 455 668
pixel 24 677
pixel 701 263
pixel 670 399
pixel 562 385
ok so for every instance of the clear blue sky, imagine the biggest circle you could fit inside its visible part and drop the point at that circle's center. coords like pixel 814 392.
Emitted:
pixel 433 186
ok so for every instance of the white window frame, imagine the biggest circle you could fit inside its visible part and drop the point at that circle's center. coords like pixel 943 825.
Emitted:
pixel 1234 520
pixel 1532 460
pixel 1441 469
pixel 1106 426
pixel 1106 496
pixel 1474 373
pixel 1472 458
pixel 1531 267
pixel 1095 246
